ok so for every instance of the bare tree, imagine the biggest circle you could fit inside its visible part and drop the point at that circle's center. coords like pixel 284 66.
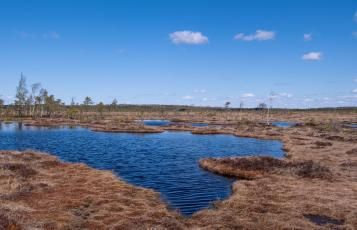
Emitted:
pixel 21 96
pixel 271 96
pixel 32 99
pixel 226 106
pixel 73 103
pixel 41 100
pixel 2 103
pixel 114 104
pixel 241 105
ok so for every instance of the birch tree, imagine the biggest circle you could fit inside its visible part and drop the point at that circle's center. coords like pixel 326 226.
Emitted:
pixel 21 96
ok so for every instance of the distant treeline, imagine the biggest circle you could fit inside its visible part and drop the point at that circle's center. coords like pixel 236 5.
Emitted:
pixel 38 102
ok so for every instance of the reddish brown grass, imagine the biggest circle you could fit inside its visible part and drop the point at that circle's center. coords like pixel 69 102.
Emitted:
pixel 256 167
pixel 38 191
pixel 314 187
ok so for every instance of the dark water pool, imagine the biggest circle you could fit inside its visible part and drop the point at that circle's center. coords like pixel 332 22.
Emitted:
pixel 284 124
pixel 166 162
pixel 157 122
pixel 352 125
pixel 199 124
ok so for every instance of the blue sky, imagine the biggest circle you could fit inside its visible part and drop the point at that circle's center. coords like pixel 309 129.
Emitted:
pixel 202 52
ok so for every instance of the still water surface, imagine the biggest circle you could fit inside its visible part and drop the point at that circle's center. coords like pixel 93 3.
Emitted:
pixel 157 122
pixel 284 124
pixel 166 162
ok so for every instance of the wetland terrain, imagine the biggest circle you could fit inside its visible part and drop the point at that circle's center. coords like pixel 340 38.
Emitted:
pixel 237 174
pixel 180 114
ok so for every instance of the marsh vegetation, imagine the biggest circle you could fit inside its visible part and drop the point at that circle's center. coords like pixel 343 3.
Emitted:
pixel 312 187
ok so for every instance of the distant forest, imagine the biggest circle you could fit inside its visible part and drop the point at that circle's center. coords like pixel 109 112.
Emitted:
pixel 37 102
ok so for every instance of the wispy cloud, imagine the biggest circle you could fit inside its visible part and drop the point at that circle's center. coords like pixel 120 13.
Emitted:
pixel 24 34
pixel 119 51
pixel 245 95
pixel 51 35
pixel 354 34
pixel 188 97
pixel 355 17
pixel 308 99
pixel 288 95
pixel 259 35
pixel 307 37
pixel 348 97
pixel 199 91
pixel 312 56
pixel 354 90
pixel 188 37
pixel 29 35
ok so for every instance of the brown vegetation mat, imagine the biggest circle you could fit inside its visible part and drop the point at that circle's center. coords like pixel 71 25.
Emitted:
pixel 257 167
pixel 126 129
pixel 96 125
pixel 314 187
pixel 39 192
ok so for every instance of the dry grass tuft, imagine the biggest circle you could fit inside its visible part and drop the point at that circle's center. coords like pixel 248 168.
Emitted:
pixel 323 220
pixel 352 152
pixel 322 144
pixel 256 167
pixel 19 169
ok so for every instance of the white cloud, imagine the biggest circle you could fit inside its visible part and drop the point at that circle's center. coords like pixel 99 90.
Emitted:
pixel 354 91
pixel 355 80
pixel 352 96
pixel 273 96
pixel 119 51
pixel 24 34
pixel 259 35
pixel 312 56
pixel 307 37
pixel 288 95
pixel 28 35
pixel 51 35
pixel 199 91
pixel 188 37
pixel 205 99
pixel 248 95
pixel 188 97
